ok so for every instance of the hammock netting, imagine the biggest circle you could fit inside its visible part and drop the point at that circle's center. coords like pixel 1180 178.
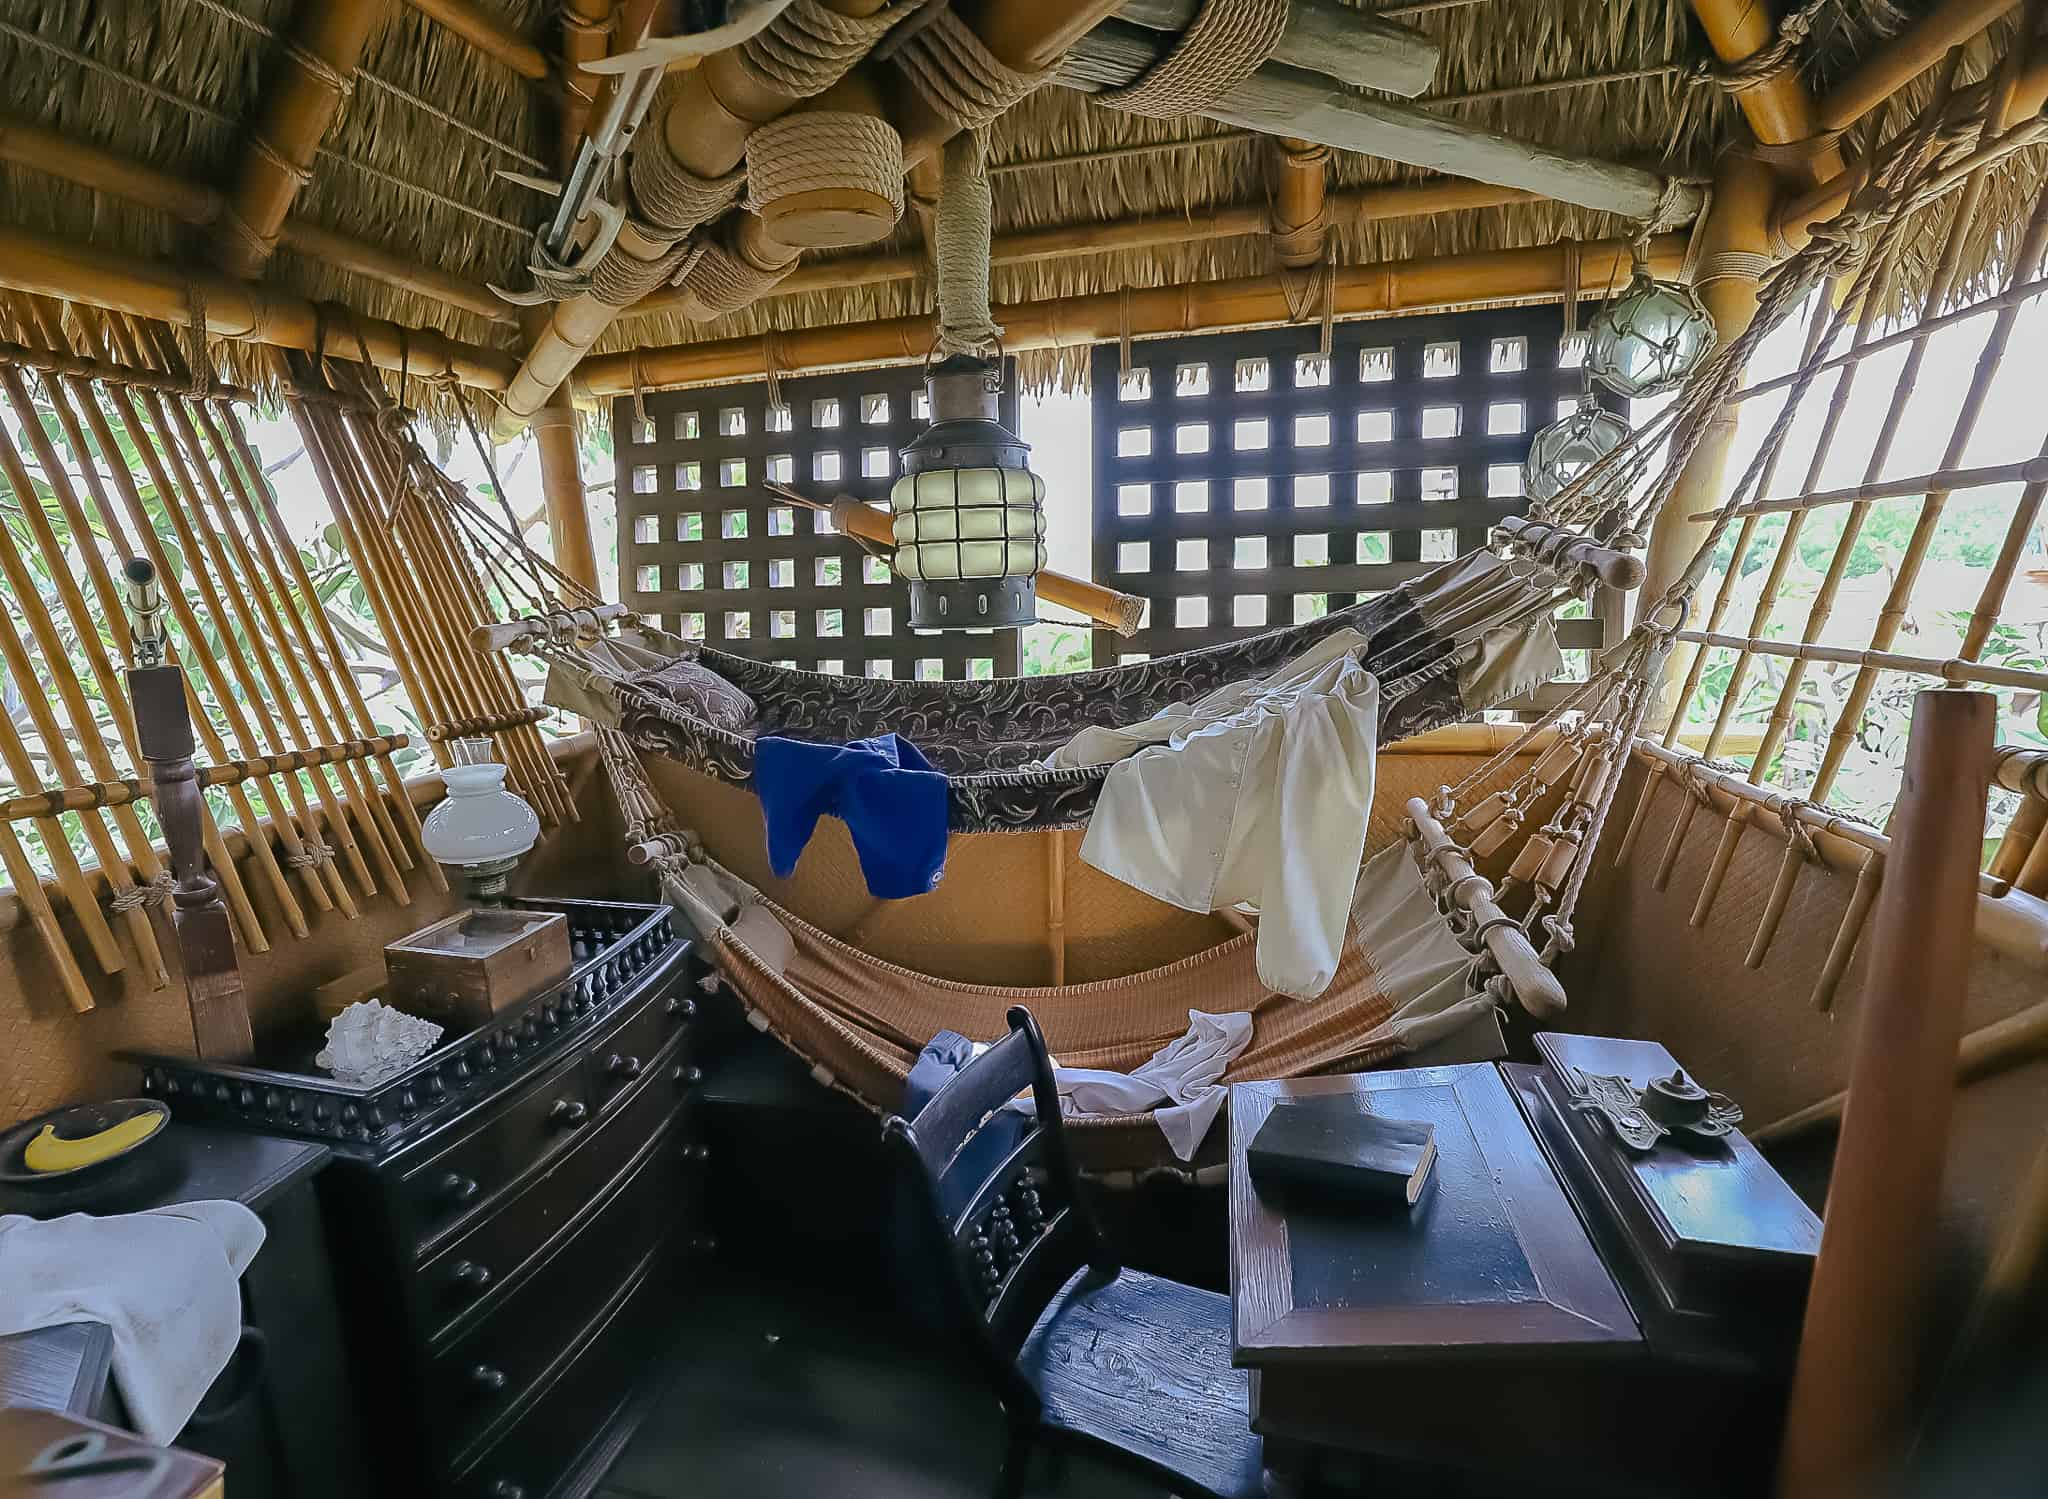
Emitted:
pixel 1467 915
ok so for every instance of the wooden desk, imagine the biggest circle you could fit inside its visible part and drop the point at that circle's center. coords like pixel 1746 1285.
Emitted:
pixel 1480 1330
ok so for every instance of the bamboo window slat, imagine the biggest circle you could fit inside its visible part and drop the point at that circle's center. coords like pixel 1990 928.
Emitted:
pixel 107 439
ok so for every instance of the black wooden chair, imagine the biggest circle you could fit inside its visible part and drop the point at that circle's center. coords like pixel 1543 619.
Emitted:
pixel 1080 1351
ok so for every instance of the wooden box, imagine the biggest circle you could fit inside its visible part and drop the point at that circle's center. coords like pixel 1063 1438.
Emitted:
pixel 465 969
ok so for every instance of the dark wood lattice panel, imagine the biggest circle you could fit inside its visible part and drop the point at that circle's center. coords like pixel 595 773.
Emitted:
pixel 716 559
pixel 1241 482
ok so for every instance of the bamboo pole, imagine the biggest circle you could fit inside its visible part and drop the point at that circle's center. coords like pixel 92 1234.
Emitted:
pixel 2031 471
pixel 320 66
pixel 179 496
pixel 2021 835
pixel 487 34
pixel 1852 1388
pixel 33 687
pixel 53 154
pixel 1492 276
pixel 1954 670
pixel 47 266
pixel 1780 111
pixel 586 30
pixel 120 793
pixel 1299 201
pixel 1903 58
pixel 69 394
pixel 1348 206
pixel 29 886
pixel 394 798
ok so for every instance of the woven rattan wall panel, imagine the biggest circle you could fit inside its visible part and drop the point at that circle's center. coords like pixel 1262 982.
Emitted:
pixel 702 547
pixel 1242 482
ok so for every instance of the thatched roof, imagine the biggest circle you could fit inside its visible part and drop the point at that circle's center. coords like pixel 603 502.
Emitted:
pixel 171 84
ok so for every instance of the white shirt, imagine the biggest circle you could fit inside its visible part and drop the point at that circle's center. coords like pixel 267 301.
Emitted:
pixel 1256 795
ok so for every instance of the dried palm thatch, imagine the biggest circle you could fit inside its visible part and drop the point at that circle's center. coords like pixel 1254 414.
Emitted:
pixel 410 165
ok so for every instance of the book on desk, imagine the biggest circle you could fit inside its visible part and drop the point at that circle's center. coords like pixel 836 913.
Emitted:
pixel 1333 1149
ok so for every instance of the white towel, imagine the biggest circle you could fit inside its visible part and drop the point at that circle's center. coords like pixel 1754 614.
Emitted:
pixel 168 1282
pixel 1181 1084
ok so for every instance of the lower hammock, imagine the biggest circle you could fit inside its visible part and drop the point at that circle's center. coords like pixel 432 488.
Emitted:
pixel 1403 983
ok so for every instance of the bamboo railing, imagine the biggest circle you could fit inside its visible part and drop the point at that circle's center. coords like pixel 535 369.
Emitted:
pixel 121 455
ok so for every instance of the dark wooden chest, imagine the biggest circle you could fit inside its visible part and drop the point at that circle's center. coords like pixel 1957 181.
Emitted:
pixel 509 1228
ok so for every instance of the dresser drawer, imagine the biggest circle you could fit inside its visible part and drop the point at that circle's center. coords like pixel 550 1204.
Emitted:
pixel 565 1429
pixel 480 1375
pixel 466 1276
pixel 619 1059
pixel 448 1189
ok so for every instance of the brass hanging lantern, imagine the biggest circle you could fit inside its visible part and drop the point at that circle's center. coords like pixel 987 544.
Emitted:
pixel 1569 446
pixel 1649 338
pixel 969 513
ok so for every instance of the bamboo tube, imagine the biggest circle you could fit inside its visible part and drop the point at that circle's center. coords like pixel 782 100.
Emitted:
pixel 43 265
pixel 561 476
pixel 2018 531
pixel 1299 203
pixel 1956 671
pixel 1779 109
pixel 1984 1052
pixel 1905 57
pixel 1868 880
pixel 44 362
pixel 29 886
pixel 57 672
pixel 2029 471
pixel 120 793
pixel 2033 876
pixel 176 492
pixel 2018 768
pixel 285 726
pixel 216 680
pixel 487 34
pixel 2021 834
pixel 315 684
pixel 1852 1388
pixel 50 152
pixel 494 723
pixel 586 27
pixel 1247 302
pixel 395 800
pixel 64 392
pixel 273 602
pixel 320 64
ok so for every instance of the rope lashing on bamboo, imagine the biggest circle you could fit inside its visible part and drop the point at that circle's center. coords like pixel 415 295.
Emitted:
pixel 1300 241
pixel 1224 45
pixel 198 362
pixel 623 278
pixel 813 149
pixel 960 245
pixel 1311 292
pixel 669 195
pixel 810 46
pixel 1773 60
pixel 138 896
pixel 967 85
pixel 723 280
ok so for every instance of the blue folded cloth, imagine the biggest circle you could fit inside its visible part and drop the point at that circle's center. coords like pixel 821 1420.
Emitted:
pixel 885 791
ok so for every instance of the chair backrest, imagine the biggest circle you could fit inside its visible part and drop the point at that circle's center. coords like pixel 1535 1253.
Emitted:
pixel 1021 1227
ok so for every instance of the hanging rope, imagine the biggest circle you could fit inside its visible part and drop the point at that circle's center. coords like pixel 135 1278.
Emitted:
pixel 966 85
pixel 1224 45
pixel 960 245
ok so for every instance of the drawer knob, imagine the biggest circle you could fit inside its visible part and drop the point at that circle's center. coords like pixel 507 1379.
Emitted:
pixel 458 1189
pixel 471 1276
pixel 505 1488
pixel 680 1007
pixel 567 1111
pixel 618 1066
pixel 688 1077
pixel 487 1378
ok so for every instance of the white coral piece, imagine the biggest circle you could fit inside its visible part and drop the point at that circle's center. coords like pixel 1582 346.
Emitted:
pixel 368 1042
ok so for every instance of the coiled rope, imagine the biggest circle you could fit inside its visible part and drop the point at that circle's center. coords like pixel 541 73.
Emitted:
pixel 815 149
pixel 960 246
pixel 1223 46
pixel 810 46
pixel 669 195
pixel 966 85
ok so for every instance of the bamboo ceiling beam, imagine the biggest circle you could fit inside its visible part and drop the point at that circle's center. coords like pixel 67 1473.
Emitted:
pixel 1357 205
pixel 487 34
pixel 1779 109
pixel 46 266
pixel 1529 274
pixel 319 75
pixel 1283 101
pixel 1905 57
pixel 44 150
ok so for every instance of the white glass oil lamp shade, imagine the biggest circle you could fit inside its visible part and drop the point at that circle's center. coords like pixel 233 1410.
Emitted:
pixel 969 515
pixel 480 828
pixel 1569 446
pixel 1650 338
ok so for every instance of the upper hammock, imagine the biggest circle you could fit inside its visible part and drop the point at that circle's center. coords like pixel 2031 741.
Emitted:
pixel 1476 907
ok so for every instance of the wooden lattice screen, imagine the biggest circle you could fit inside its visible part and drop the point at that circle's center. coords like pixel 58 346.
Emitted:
pixel 1243 482
pixel 715 559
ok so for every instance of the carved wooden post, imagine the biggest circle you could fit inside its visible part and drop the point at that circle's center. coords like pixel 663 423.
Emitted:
pixel 163 730
pixel 1850 1395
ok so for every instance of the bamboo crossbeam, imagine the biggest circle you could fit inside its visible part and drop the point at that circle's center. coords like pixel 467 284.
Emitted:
pixel 1903 58
pixel 1948 481
pixel 48 266
pixel 489 723
pixel 1491 276
pixel 45 362
pixel 1780 111
pixel 1955 670
pixel 487 34
pixel 1323 37
pixel 69 395
pixel 2019 768
pixel 517 632
pixel 121 792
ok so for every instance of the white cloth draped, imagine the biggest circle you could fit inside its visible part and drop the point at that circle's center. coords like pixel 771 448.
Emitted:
pixel 1255 796
pixel 168 1282
pixel 1182 1083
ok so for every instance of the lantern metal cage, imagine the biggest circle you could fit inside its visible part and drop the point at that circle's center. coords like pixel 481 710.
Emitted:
pixel 969 512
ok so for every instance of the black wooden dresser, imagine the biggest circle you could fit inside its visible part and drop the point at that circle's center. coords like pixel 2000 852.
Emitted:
pixel 509 1216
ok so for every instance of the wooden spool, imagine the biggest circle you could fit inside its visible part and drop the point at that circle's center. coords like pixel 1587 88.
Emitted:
pixel 829 218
